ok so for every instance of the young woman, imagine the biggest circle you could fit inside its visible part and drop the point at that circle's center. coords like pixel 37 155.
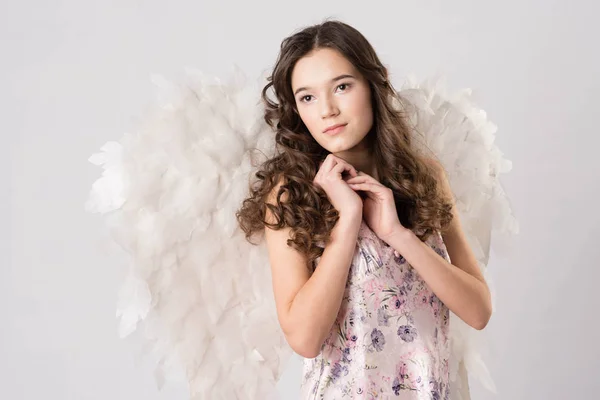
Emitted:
pixel 366 248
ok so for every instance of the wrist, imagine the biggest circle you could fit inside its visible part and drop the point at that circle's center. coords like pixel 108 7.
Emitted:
pixel 347 223
pixel 351 216
pixel 399 237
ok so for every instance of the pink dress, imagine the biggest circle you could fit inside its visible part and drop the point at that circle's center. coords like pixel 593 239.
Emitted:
pixel 390 338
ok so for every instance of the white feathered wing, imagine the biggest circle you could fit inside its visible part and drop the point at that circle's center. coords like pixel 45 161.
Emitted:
pixel 462 138
pixel 197 292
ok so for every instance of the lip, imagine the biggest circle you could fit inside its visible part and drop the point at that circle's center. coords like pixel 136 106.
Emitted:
pixel 334 129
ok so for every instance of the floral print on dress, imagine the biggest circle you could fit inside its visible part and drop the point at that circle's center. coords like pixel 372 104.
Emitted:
pixel 390 338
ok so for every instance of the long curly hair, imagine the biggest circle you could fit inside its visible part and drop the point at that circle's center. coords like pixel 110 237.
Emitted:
pixel 298 203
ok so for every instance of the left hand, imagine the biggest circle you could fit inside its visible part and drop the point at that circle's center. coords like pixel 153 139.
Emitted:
pixel 379 208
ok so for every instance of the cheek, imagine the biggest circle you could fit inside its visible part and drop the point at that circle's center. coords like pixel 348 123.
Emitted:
pixel 363 112
pixel 358 105
pixel 310 119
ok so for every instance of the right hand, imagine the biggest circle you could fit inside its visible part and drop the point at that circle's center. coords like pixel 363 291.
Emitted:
pixel 329 177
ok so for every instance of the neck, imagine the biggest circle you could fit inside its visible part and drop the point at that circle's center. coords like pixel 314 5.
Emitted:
pixel 362 160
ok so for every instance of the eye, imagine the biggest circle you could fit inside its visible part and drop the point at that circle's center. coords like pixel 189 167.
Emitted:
pixel 346 85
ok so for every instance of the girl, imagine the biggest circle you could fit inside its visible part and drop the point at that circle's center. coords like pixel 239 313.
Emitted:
pixel 366 249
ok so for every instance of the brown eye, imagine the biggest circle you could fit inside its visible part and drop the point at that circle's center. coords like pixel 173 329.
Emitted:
pixel 345 85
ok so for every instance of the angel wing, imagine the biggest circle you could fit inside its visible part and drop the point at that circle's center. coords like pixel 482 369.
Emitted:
pixel 197 292
pixel 462 138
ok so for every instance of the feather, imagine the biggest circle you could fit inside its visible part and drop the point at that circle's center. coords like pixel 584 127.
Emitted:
pixel 199 295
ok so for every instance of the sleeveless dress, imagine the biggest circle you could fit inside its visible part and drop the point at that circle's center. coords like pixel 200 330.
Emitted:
pixel 390 339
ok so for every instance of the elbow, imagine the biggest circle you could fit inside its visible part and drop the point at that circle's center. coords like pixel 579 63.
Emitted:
pixel 305 347
pixel 306 352
pixel 480 324
pixel 483 319
pixel 484 312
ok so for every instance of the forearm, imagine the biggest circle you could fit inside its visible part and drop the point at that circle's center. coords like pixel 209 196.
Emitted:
pixel 315 307
pixel 465 295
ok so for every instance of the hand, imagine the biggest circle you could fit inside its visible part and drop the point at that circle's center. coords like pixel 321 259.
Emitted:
pixel 329 177
pixel 379 208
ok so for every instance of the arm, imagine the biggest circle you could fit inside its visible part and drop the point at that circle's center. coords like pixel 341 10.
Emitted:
pixel 460 285
pixel 307 305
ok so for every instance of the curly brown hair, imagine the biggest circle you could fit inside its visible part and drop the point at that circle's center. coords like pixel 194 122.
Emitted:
pixel 298 203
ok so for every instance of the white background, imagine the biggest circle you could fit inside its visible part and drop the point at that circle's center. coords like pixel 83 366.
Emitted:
pixel 75 74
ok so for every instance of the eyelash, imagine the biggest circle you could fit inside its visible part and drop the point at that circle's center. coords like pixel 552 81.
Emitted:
pixel 348 85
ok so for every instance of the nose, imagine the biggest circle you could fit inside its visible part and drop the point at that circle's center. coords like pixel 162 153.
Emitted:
pixel 328 107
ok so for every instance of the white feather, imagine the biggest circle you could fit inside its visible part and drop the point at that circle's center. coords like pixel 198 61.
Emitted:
pixel 199 294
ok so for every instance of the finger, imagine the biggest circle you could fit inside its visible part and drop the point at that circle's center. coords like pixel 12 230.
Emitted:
pixel 327 163
pixel 349 167
pixel 366 186
pixel 356 179
pixel 364 179
pixel 368 177
pixel 369 187
pixel 325 166
pixel 341 167
pixel 331 161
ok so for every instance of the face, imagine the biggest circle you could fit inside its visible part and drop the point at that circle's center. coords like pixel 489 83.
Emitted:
pixel 329 91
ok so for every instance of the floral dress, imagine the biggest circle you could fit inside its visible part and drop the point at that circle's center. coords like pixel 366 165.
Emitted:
pixel 390 338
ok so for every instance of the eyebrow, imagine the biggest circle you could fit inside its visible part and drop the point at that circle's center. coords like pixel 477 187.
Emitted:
pixel 337 78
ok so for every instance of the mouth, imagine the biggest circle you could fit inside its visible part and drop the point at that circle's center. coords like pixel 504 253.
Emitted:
pixel 332 130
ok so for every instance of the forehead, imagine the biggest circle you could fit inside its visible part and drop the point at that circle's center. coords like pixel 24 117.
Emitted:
pixel 319 67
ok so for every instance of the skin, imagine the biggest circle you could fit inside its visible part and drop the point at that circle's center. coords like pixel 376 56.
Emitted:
pixel 325 102
pixel 322 101
pixel 307 304
pixel 460 285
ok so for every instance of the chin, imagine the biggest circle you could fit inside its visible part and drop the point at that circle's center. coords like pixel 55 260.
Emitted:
pixel 339 145
pixel 336 148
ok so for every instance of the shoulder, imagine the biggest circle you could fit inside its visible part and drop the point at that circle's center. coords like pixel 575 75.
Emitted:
pixel 272 193
pixel 434 165
pixel 271 198
pixel 440 174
